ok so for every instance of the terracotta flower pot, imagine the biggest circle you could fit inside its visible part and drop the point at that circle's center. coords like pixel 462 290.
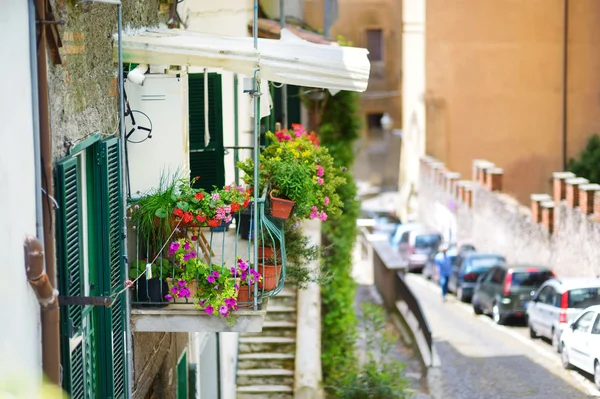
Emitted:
pixel 270 276
pixel 281 208
pixel 266 252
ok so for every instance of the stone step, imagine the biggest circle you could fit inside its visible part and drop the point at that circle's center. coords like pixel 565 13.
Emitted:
pixel 267 344
pixel 248 377
pixel 287 292
pixel 265 392
pixel 282 301
pixel 266 360
pixel 279 313
pixel 278 328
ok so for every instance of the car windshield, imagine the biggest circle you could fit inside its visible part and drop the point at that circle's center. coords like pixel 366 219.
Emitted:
pixel 482 263
pixel 582 298
pixel 427 241
pixel 530 279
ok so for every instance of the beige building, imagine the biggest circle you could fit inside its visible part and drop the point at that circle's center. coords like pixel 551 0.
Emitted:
pixel 514 82
pixel 375 25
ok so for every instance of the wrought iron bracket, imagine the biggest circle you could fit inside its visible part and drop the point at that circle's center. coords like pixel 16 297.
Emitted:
pixel 85 300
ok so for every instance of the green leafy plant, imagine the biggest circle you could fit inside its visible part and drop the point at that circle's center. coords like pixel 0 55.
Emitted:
pixel 300 252
pixel 159 269
pixel 339 127
pixel 380 376
pixel 588 163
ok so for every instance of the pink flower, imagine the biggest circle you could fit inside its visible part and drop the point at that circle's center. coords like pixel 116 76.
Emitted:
pixel 181 283
pixel 185 292
pixel 209 309
pixel 210 279
pixel 216 197
pixel 320 181
pixel 223 310
pixel 326 202
pixel 314 212
pixel 186 246
pixel 169 297
pixel 323 216
pixel 320 171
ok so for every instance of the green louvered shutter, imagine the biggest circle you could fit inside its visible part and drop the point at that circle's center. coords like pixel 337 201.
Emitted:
pixel 78 345
pixel 294 106
pixel 182 377
pixel 208 162
pixel 112 268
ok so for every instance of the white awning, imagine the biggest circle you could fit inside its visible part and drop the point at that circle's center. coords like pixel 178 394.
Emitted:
pixel 290 60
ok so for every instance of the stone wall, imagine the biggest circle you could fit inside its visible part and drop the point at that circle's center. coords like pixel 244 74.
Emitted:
pixel 560 230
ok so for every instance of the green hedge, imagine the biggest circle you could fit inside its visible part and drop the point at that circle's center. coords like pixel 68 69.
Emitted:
pixel 587 165
pixel 338 129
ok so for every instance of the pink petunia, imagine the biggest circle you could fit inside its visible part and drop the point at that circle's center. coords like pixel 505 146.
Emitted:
pixel 326 202
pixel 320 171
pixel 209 309
pixel 323 216
pixel 320 181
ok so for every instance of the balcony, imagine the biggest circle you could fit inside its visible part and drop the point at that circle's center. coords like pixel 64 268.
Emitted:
pixel 160 304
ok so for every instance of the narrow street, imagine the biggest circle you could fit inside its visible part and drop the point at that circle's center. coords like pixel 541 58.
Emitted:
pixel 482 360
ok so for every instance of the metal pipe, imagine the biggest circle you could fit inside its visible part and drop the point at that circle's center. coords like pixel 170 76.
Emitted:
pixel 256 96
pixel 128 350
pixel 50 317
pixel 565 83
pixel 284 99
pixel 236 130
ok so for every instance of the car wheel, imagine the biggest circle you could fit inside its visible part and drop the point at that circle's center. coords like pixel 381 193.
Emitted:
pixel 597 374
pixel 477 309
pixel 564 357
pixel 555 341
pixel 532 333
pixel 498 319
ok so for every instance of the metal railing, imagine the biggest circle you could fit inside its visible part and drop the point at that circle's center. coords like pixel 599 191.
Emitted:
pixel 392 287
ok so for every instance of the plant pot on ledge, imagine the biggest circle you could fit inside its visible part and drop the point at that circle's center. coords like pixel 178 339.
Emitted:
pixel 270 275
pixel 151 291
pixel 281 208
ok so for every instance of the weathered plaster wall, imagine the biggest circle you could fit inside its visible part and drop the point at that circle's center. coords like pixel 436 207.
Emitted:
pixel 83 90
pixel 496 222
pixel 155 363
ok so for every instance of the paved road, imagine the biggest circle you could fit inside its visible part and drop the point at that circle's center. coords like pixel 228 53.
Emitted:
pixel 482 360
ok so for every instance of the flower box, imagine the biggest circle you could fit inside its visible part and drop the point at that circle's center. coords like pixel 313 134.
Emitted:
pixel 281 208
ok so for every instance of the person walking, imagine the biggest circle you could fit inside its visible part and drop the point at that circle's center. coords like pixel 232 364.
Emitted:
pixel 443 265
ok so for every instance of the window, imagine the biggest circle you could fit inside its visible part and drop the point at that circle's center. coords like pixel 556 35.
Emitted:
pixel 544 295
pixel 584 297
pixel 375 129
pixel 89 255
pixel 499 275
pixel 477 264
pixel 427 241
pixel 375 44
pixel 583 323
pixel 530 279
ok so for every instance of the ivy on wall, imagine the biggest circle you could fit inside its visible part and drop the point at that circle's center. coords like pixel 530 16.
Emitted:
pixel 338 129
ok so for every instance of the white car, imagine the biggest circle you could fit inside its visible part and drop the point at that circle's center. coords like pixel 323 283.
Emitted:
pixel 581 343
pixel 557 303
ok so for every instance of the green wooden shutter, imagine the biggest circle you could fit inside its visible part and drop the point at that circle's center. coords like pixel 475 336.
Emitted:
pixel 294 105
pixel 70 274
pixel 112 268
pixel 182 377
pixel 208 162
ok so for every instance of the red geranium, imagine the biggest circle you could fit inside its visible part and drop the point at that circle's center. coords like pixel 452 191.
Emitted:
pixel 201 218
pixel 199 196
pixel 214 223
pixel 188 217
pixel 178 212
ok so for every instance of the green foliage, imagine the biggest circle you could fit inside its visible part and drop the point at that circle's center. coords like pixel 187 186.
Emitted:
pixel 380 376
pixel 300 252
pixel 160 268
pixel 339 128
pixel 588 163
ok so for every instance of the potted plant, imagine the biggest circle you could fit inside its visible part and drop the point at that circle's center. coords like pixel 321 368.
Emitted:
pixel 217 292
pixel 293 167
pixel 187 270
pixel 248 278
pixel 149 290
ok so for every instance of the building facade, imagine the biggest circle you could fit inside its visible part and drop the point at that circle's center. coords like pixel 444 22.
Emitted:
pixel 512 82
pixel 377 26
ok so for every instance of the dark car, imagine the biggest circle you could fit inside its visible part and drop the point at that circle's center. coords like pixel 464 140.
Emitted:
pixel 467 270
pixel 455 252
pixel 505 290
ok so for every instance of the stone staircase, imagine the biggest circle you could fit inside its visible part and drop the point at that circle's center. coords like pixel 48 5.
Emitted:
pixel 266 359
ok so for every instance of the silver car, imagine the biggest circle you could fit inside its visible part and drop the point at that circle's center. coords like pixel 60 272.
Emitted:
pixel 557 303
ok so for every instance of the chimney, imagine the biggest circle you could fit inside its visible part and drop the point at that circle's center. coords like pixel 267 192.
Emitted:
pixel 560 189
pixel 587 194
pixel 548 215
pixel 536 205
pixel 573 190
pixel 494 179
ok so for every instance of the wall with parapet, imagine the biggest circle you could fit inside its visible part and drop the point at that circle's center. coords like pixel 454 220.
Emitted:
pixel 560 230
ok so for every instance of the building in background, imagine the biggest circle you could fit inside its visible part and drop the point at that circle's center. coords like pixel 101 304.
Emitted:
pixel 515 83
pixel 377 26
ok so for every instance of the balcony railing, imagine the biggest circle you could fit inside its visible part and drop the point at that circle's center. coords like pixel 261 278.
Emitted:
pixel 160 303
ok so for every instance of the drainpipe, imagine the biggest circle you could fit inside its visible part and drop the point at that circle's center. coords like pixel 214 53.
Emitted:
pixel 127 297
pixel 50 315
pixel 284 99
pixel 565 78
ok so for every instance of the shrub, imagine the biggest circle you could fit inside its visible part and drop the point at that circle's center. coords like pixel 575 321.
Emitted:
pixel 588 163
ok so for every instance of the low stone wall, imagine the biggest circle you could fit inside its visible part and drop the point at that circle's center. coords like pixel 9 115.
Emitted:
pixel 560 230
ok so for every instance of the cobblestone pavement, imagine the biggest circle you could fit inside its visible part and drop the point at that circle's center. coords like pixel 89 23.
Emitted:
pixel 414 371
pixel 482 360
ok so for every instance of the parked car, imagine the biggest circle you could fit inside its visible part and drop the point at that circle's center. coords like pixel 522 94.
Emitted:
pixel 557 303
pixel 467 270
pixel 416 247
pixel 455 252
pixel 581 343
pixel 505 290
pixel 396 238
